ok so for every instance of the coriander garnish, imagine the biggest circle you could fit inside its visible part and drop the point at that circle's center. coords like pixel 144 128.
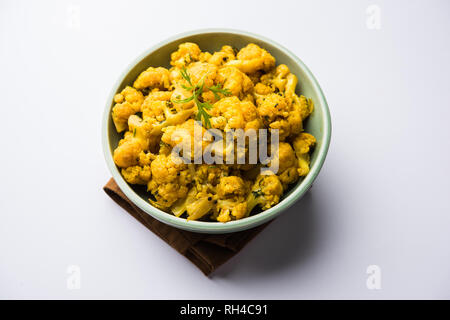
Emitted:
pixel 218 89
pixel 197 90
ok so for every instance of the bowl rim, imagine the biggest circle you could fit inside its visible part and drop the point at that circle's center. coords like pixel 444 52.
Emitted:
pixel 217 227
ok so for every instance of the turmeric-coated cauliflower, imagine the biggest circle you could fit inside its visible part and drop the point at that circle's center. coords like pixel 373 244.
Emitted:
pixel 237 82
pixel 169 180
pixel 153 78
pixel 223 56
pixel 252 58
pixel 302 145
pixel 286 164
pixel 266 192
pixel 128 102
pixel 137 174
pixel 187 52
pixel 231 113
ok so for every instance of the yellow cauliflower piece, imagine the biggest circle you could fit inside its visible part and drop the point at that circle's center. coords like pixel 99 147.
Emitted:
pixel 160 114
pixel 272 106
pixel 128 151
pixel 166 169
pixel 187 52
pixel 237 82
pixel 266 192
pixel 153 78
pixel 287 164
pixel 263 89
pixel 166 194
pixel 305 106
pixel 302 146
pixel 231 113
pixel 183 135
pixel 137 174
pixel 231 186
pixel 285 157
pixel 157 96
pixel 128 102
pixel 223 56
pixel 253 58
pixel 210 174
pixel 277 79
pixel 276 113
pixel 227 210
pixel 202 71
pixel 169 180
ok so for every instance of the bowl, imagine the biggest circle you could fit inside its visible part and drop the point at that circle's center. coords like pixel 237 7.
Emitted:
pixel 318 123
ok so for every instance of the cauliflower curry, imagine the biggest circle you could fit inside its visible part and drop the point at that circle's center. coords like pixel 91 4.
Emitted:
pixel 225 90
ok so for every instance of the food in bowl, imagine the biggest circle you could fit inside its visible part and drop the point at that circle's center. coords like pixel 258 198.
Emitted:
pixel 201 96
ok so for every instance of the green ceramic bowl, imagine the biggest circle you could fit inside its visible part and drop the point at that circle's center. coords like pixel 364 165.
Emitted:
pixel 318 124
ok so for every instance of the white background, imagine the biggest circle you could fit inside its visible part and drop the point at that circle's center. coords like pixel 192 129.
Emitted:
pixel 382 197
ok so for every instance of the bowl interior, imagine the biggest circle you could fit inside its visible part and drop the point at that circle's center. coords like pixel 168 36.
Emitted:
pixel 213 41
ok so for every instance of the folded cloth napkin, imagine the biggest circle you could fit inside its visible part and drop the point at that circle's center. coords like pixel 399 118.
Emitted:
pixel 206 251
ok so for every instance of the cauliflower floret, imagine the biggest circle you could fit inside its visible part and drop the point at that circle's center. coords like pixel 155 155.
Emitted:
pixel 222 56
pixel 262 89
pixel 287 164
pixel 231 113
pixel 305 106
pixel 230 203
pixel 255 76
pixel 187 52
pixel 210 174
pixel 295 121
pixel 202 71
pixel 227 210
pixel 271 107
pixel 302 146
pixel 128 102
pixel 153 78
pixel 160 114
pixel 166 169
pixel 128 151
pixel 277 78
pixel 253 58
pixel 237 82
pixel 141 130
pixel 157 96
pixel 187 136
pixel 283 128
pixel 137 174
pixel 266 192
pixel 231 186
pixel 169 180
pixel 166 194
pixel 277 113
pixel 285 157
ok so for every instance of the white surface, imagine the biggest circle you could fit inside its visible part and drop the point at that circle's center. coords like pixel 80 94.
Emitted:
pixel 382 197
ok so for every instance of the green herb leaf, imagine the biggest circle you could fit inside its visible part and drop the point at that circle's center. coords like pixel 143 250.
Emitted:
pixel 186 75
pixel 186 87
pixel 218 89
pixel 184 100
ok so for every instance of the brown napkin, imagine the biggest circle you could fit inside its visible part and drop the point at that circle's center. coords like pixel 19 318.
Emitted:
pixel 206 251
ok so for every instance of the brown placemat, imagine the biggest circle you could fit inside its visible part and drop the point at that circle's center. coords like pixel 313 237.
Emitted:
pixel 206 251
